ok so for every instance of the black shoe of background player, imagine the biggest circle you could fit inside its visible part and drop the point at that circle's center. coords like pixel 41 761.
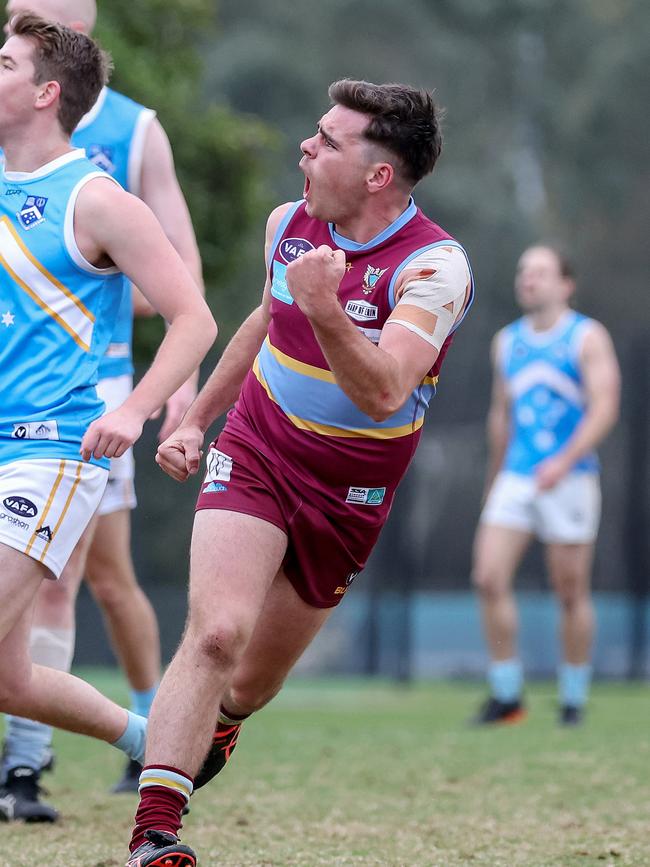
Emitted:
pixel 224 742
pixel 130 780
pixel 20 798
pixel 162 850
pixel 495 712
pixel 571 715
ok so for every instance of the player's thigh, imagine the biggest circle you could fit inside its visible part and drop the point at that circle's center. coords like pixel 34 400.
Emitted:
pixel 234 559
pixel 285 628
pixel 20 578
pixel 498 551
pixel 109 556
pixel 569 568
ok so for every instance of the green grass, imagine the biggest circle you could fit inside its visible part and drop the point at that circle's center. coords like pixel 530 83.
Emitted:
pixel 356 773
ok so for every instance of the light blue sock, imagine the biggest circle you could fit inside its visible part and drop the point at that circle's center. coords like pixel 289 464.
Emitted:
pixel 141 700
pixel 573 684
pixel 26 744
pixel 506 680
pixel 134 738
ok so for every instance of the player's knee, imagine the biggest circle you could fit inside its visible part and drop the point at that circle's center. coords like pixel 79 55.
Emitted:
pixel 571 592
pixel 219 644
pixel 488 581
pixel 13 682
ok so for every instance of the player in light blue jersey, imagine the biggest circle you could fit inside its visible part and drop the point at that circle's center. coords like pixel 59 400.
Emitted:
pixel 125 140
pixel 67 230
pixel 555 397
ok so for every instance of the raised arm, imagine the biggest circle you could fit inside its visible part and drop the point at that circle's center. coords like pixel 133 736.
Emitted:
pixel 180 454
pixel 112 226
pixel 602 384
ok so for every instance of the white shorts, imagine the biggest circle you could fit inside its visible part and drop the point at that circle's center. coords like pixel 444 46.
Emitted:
pixel 120 490
pixel 46 504
pixel 567 514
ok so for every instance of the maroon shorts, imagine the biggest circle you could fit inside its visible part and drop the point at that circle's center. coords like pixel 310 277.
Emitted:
pixel 324 553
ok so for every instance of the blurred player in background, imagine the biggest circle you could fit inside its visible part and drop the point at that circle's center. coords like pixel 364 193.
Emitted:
pixel 331 376
pixel 555 397
pixel 68 233
pixel 127 141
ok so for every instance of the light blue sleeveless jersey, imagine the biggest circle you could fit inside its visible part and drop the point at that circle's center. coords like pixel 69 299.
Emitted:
pixel 112 134
pixel 542 373
pixel 57 313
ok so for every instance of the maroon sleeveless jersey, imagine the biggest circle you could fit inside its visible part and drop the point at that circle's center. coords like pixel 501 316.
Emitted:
pixel 290 407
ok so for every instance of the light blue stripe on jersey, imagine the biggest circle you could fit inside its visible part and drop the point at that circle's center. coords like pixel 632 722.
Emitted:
pixel 547 397
pixel 56 317
pixel 324 403
pixel 110 134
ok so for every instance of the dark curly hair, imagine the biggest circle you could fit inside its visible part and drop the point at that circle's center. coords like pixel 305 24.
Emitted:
pixel 404 120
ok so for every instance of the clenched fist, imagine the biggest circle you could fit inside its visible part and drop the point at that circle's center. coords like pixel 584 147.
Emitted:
pixel 313 280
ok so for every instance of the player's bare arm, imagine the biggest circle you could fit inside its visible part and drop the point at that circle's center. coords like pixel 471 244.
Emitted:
pixel 498 418
pixel 160 190
pixel 114 227
pixel 180 454
pixel 602 383
pixel 378 379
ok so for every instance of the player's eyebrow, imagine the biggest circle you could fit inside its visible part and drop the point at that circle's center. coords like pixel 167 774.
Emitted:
pixel 7 58
pixel 326 135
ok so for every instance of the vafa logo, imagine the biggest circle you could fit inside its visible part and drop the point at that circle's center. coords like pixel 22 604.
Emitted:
pixel 293 248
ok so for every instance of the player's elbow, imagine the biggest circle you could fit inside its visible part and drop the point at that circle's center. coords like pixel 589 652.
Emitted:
pixel 384 406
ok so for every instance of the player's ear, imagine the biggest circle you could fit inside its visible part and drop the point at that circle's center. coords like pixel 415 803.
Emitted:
pixel 48 93
pixel 380 175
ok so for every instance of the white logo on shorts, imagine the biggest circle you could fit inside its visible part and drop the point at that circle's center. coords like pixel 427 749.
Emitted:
pixel 219 466
pixel 366 496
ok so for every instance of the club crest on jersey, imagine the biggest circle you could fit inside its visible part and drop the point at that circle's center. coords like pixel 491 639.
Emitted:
pixel 294 248
pixel 31 213
pixel 371 277
pixel 102 157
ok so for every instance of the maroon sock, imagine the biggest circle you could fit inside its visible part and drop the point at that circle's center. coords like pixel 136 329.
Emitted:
pixel 159 809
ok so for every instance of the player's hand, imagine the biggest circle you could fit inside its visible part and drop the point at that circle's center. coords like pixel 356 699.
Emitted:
pixel 313 280
pixel 176 407
pixel 180 455
pixel 551 471
pixel 112 434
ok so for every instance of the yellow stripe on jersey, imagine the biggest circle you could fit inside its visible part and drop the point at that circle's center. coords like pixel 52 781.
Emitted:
pixel 44 288
pixel 73 490
pixel 345 433
pixel 48 504
pixel 300 366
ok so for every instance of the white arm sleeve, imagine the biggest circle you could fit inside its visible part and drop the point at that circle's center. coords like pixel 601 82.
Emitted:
pixel 433 280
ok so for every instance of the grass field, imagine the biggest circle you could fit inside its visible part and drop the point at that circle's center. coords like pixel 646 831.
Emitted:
pixel 356 773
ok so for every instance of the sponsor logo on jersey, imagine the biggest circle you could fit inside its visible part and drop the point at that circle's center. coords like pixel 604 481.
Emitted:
pixel 371 278
pixel 102 157
pixel 366 496
pixel 36 430
pixel 362 310
pixel 279 286
pixel 45 533
pixel 14 192
pixel 31 213
pixel 219 467
pixel 20 506
pixel 214 488
pixel 294 248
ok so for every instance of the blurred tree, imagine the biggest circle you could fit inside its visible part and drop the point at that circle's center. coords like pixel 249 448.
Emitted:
pixel 157 49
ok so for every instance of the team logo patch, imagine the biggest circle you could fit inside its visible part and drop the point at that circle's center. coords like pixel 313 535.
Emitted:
pixel 102 157
pixel 219 467
pixel 36 430
pixel 371 278
pixel 214 488
pixel 294 248
pixel 45 533
pixel 361 310
pixel 31 213
pixel 366 496
pixel 20 506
